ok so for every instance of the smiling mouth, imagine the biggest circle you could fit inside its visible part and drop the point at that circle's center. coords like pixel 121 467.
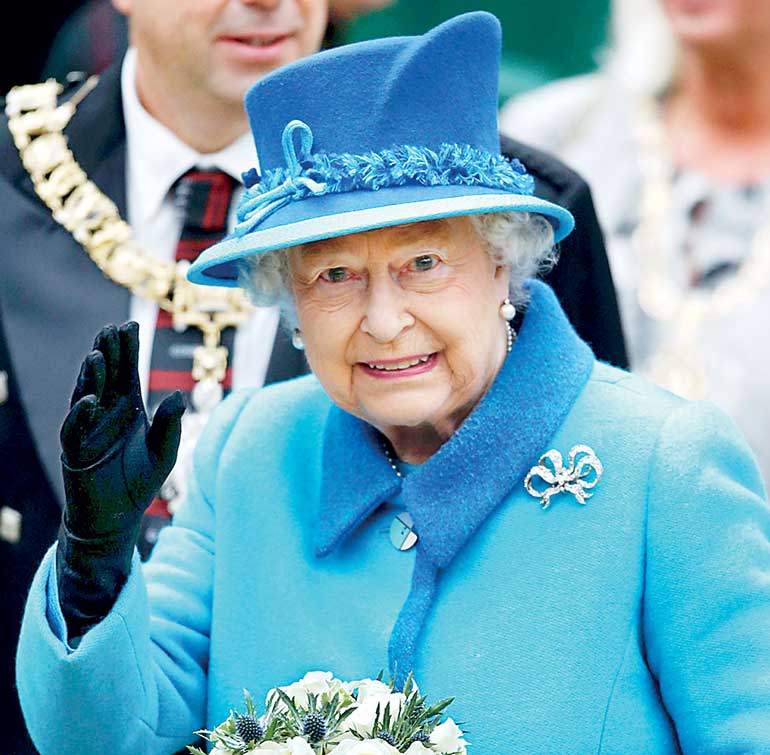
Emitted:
pixel 264 42
pixel 258 41
pixel 400 368
pixel 395 366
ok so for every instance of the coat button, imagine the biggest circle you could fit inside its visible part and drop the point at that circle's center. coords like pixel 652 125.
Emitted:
pixel 402 533
pixel 3 387
pixel 10 525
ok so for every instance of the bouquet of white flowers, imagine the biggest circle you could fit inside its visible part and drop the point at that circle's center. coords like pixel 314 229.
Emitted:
pixel 321 715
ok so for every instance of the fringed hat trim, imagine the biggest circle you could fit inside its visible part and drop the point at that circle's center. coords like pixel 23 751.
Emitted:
pixel 307 174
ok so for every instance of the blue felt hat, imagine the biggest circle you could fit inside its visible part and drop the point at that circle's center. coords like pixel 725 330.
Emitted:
pixel 376 134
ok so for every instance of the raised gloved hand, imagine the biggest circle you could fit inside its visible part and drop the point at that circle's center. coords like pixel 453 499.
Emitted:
pixel 113 463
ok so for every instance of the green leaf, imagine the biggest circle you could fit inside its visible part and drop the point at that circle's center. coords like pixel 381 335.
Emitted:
pixel 271 729
pixel 434 710
pixel 289 703
pixel 250 710
pixel 376 724
pixel 333 704
pixel 341 716
pixel 408 684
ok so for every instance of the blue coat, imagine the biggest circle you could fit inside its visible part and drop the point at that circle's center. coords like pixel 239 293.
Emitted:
pixel 636 623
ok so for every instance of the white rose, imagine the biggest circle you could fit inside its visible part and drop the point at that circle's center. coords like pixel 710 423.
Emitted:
pixel 268 748
pixel 418 748
pixel 364 747
pixel 447 737
pixel 296 692
pixel 362 718
pixel 317 683
pixel 337 687
pixel 367 687
pixel 294 746
pixel 299 746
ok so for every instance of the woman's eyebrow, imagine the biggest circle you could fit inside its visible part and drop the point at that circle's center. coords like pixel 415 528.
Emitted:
pixel 417 232
pixel 322 247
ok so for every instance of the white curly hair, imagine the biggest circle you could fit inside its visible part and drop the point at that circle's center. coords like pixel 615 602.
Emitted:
pixel 521 241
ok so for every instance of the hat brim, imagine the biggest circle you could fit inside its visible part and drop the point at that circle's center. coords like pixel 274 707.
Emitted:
pixel 331 215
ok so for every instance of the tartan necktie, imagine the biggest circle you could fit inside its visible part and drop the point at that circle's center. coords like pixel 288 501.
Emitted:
pixel 204 197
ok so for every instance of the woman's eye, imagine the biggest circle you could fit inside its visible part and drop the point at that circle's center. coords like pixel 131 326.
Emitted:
pixel 336 274
pixel 423 262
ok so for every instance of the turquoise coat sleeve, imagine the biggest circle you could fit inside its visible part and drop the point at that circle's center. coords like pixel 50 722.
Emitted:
pixel 706 604
pixel 142 670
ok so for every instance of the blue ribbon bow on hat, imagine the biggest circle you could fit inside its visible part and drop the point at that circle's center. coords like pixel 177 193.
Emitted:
pixel 256 206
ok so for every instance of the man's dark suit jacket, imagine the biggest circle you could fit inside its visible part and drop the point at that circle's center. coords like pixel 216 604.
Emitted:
pixel 53 300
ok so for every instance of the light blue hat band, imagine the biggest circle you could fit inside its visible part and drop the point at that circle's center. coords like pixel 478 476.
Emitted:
pixel 307 174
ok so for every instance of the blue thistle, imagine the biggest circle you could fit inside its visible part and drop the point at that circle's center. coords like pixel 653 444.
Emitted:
pixel 386 736
pixel 314 727
pixel 248 728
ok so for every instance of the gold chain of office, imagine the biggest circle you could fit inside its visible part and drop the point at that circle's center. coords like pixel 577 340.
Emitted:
pixel 36 121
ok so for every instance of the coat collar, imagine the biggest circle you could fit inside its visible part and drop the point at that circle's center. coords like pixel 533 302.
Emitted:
pixel 454 492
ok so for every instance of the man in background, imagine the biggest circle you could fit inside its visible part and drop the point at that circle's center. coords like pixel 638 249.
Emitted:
pixel 96 34
pixel 164 136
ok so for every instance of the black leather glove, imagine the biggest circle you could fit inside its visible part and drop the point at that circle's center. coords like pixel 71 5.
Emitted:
pixel 113 463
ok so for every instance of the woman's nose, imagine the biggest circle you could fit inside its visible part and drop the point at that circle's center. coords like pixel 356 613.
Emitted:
pixel 386 315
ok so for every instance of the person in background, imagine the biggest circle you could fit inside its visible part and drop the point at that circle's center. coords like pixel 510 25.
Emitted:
pixel 96 35
pixel 149 174
pixel 163 136
pixel 673 134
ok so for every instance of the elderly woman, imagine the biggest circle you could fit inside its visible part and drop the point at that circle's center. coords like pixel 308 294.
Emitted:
pixel 459 491
pixel 676 147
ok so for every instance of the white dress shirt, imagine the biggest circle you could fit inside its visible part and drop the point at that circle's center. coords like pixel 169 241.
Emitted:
pixel 155 159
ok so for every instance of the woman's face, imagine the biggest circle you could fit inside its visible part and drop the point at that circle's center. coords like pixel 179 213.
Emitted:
pixel 719 21
pixel 401 324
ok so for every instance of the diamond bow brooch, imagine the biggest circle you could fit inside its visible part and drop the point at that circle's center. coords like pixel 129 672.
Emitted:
pixel 581 475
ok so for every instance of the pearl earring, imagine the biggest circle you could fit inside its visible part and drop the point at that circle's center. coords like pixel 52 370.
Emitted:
pixel 296 340
pixel 507 310
pixel 507 313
